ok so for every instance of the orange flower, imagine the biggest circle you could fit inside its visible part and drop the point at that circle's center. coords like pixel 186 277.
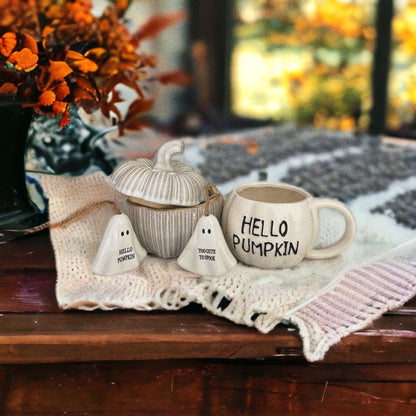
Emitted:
pixel 96 53
pixel 59 107
pixel 59 70
pixel 80 11
pixel 8 89
pixel 55 72
pixel 47 30
pixel 53 99
pixel 111 66
pixel 61 90
pixel 24 60
pixel 7 43
pixel 30 43
pixel 54 12
pixel 122 4
pixel 80 62
pixel 47 98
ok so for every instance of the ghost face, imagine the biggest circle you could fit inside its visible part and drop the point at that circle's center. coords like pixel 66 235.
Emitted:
pixel 207 252
pixel 124 234
pixel 207 242
pixel 120 250
pixel 123 252
pixel 208 227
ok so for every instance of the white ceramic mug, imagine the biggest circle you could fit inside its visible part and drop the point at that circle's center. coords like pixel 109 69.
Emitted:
pixel 275 226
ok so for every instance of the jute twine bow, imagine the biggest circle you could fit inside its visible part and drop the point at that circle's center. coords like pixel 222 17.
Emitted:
pixel 211 193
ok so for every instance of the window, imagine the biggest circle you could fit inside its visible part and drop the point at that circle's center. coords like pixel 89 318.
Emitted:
pixel 401 106
pixel 344 64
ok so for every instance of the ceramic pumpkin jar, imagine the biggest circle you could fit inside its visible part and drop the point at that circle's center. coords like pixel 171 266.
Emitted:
pixel 165 199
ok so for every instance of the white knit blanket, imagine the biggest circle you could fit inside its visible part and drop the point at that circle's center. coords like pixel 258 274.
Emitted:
pixel 326 299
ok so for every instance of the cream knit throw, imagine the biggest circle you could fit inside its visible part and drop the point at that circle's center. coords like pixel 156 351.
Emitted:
pixel 325 299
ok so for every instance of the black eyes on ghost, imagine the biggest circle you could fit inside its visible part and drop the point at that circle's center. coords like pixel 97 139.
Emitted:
pixel 126 233
pixel 208 231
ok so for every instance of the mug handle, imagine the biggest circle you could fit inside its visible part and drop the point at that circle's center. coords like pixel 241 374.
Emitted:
pixel 349 233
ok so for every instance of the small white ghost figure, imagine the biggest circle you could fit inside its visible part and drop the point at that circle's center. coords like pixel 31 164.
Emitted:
pixel 207 252
pixel 120 251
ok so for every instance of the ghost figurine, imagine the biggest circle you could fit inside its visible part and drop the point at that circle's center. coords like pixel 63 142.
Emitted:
pixel 207 253
pixel 120 251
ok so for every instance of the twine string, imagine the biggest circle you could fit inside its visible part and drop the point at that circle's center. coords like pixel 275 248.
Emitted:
pixel 82 212
pixel 75 216
pixel 211 192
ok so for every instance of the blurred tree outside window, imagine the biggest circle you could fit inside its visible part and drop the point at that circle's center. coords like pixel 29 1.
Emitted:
pixel 311 61
pixel 401 110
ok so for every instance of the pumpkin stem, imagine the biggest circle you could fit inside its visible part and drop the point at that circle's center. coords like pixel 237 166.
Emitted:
pixel 164 155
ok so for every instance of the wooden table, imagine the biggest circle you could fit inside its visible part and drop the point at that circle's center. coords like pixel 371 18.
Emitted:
pixel 127 363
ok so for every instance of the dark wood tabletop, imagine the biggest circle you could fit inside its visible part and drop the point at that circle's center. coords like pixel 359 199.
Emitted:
pixel 167 362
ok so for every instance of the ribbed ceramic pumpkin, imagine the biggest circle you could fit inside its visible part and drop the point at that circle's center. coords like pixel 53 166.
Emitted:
pixel 165 232
pixel 161 182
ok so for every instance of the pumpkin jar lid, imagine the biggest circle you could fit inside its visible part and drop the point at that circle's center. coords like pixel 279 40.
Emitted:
pixel 161 182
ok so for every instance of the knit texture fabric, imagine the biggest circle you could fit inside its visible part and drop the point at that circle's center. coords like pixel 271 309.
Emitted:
pixel 326 299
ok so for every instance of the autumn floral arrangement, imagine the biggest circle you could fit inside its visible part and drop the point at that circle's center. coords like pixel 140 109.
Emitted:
pixel 57 53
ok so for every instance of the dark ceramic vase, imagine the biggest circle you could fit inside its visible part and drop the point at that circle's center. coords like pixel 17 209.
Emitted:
pixel 16 211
